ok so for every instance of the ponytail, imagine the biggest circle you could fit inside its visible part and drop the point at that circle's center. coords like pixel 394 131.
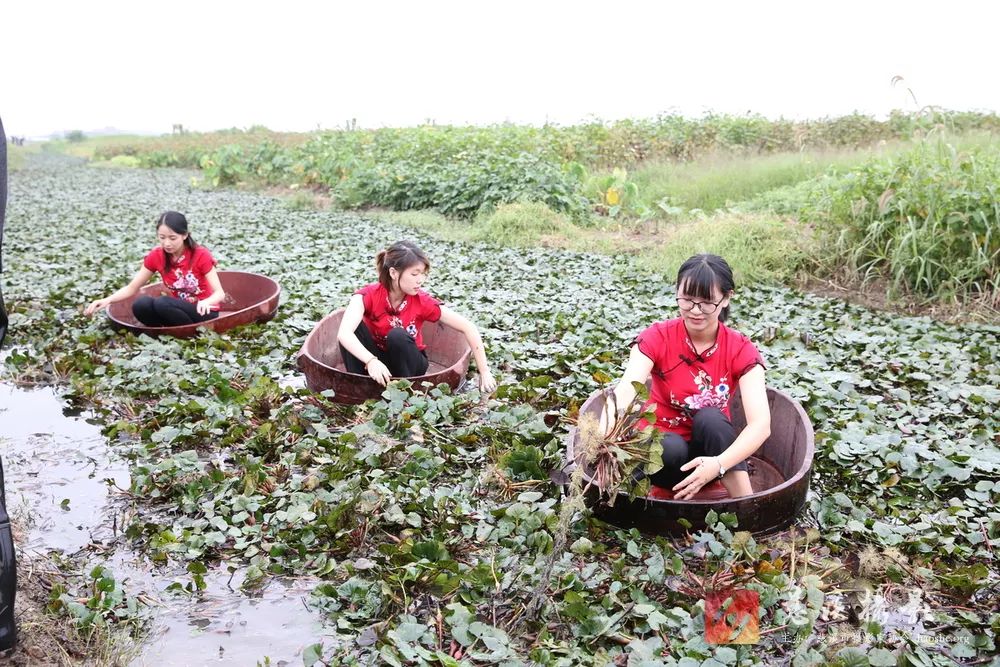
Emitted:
pixel 401 255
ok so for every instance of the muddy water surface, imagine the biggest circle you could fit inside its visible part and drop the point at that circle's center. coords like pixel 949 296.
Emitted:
pixel 59 471
pixel 63 484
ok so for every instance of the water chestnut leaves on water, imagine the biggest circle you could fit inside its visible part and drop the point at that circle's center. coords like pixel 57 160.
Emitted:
pixel 430 515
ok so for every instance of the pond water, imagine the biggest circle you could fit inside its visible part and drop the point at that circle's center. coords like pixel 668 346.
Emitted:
pixel 223 625
pixel 63 483
pixel 59 472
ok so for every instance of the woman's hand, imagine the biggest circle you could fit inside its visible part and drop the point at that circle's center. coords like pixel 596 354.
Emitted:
pixel 706 468
pixel 95 306
pixel 487 383
pixel 203 308
pixel 378 371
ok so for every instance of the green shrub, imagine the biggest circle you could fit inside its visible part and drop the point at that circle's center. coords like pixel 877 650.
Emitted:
pixel 928 220
pixel 301 201
pixel 611 194
pixel 521 223
pixel 760 248
pixel 225 166
pixel 127 161
pixel 466 184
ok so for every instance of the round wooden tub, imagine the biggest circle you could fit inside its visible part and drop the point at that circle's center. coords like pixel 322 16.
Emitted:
pixel 250 297
pixel 319 359
pixel 779 475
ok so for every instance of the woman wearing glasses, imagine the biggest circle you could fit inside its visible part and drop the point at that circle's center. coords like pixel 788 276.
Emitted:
pixel 696 362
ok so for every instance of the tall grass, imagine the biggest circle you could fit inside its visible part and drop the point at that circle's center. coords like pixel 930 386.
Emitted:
pixel 17 155
pixel 719 180
pixel 760 248
pixel 928 220
pixel 723 179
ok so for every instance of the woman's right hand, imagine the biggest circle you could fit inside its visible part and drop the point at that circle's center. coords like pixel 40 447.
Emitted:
pixel 95 306
pixel 379 372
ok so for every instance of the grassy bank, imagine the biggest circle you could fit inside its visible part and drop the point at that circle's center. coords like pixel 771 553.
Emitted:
pixel 914 225
pixel 460 170
pixel 761 248
pixel 17 155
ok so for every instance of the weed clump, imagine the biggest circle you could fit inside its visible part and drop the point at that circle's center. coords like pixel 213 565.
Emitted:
pixel 622 458
pixel 521 223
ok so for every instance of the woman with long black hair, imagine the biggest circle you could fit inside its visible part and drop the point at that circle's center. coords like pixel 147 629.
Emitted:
pixel 188 271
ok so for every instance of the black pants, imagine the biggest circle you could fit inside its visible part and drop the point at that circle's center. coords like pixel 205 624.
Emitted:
pixel 711 434
pixel 401 356
pixel 167 311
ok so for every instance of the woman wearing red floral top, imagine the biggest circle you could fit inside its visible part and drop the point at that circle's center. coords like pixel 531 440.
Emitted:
pixel 381 332
pixel 696 362
pixel 188 271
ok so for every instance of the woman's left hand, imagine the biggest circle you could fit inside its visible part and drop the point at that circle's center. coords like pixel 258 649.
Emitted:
pixel 487 383
pixel 203 308
pixel 706 468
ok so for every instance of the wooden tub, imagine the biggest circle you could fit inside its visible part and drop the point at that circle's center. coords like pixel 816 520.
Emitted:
pixel 319 359
pixel 779 475
pixel 250 297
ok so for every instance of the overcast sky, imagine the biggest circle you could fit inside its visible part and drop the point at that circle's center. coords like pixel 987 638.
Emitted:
pixel 294 65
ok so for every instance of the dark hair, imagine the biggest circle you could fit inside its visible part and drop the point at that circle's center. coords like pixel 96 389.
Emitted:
pixel 178 224
pixel 701 273
pixel 401 255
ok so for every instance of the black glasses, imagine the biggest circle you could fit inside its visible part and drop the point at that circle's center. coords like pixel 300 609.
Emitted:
pixel 706 307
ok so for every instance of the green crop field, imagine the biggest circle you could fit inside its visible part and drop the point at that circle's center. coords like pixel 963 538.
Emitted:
pixel 903 206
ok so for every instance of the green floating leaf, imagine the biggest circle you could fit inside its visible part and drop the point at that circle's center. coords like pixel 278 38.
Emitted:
pixel 312 654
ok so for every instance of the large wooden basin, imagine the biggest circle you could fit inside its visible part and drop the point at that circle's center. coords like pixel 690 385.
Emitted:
pixel 779 475
pixel 319 359
pixel 250 297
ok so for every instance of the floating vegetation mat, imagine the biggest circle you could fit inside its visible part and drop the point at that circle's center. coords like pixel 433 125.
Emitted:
pixel 428 520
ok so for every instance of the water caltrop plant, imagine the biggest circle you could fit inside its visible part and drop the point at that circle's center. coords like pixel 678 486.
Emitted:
pixel 622 458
